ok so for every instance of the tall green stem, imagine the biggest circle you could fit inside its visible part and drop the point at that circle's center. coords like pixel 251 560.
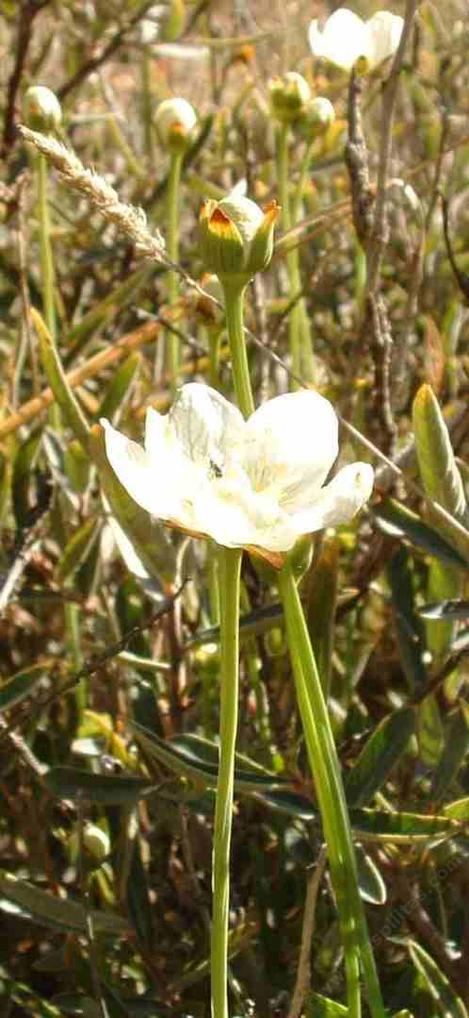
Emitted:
pixel 230 572
pixel 173 253
pixel 47 263
pixel 299 332
pixel 234 301
pixel 329 789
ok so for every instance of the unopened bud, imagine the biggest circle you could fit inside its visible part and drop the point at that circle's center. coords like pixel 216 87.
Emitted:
pixel 42 110
pixel 236 237
pixel 288 95
pixel 175 121
pixel 318 116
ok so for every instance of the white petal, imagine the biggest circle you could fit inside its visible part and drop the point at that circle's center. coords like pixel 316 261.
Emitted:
pixel 119 537
pixel 205 425
pixel 136 471
pixel 156 434
pixel 291 443
pixel 339 501
pixel 244 213
pixel 343 39
pixel 384 33
pixel 235 516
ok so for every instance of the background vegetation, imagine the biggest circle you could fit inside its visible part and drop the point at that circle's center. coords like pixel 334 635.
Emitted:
pixel 105 830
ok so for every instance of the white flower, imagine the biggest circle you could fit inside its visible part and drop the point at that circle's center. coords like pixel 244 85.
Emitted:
pixel 175 120
pixel 345 38
pixel 257 483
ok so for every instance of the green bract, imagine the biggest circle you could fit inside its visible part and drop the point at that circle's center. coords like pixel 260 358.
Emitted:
pixel 236 237
pixel 289 95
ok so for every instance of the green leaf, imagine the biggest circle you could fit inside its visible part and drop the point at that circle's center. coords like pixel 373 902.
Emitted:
pixel 455 747
pixel 317 1006
pixel 439 472
pixel 77 548
pixel 399 828
pixel 379 755
pixel 410 631
pixel 399 521
pixel 120 387
pixel 57 380
pixel 371 884
pixel 21 477
pixel 321 600
pixel 429 731
pixel 21 685
pixel 446 611
pixel 198 758
pixel 438 986
pixel 457 810
pixel 57 913
pixel 107 789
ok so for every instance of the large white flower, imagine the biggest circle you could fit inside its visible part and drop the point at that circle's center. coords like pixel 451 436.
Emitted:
pixel 345 38
pixel 257 483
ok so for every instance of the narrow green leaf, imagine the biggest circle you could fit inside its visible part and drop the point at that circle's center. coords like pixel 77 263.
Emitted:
pixel 447 611
pixel 120 387
pixel 317 1006
pixel 410 631
pixel 437 984
pixel 57 380
pixel 21 477
pixel 58 913
pixel 379 755
pixel 371 884
pixel 439 472
pixel 429 731
pixel 399 521
pixel 458 810
pixel 321 600
pixel 77 549
pixel 21 685
pixel 456 745
pixel 107 789
pixel 399 828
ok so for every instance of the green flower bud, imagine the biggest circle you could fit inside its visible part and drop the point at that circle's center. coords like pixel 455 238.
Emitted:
pixel 236 236
pixel 288 96
pixel 318 116
pixel 175 121
pixel 42 110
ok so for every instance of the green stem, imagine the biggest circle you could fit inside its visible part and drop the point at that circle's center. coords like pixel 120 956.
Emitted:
pixel 299 332
pixel 47 263
pixel 234 301
pixel 230 572
pixel 329 789
pixel 174 180
pixel 147 105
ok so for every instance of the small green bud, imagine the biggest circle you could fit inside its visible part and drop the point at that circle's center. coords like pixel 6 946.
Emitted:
pixel 42 110
pixel 317 117
pixel 175 121
pixel 288 97
pixel 236 237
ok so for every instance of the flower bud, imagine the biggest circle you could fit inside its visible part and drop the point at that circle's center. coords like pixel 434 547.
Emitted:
pixel 288 96
pixel 318 116
pixel 175 120
pixel 236 237
pixel 42 110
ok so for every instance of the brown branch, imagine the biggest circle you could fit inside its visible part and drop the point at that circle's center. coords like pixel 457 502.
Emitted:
pixel 28 11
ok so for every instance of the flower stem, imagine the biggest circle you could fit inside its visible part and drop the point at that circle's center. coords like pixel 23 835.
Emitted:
pixel 47 263
pixel 173 253
pixel 329 789
pixel 234 301
pixel 299 331
pixel 230 571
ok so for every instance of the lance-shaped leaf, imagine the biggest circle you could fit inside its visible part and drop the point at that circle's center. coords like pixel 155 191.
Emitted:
pixel 438 469
pixel 410 631
pixel 446 999
pixel 120 387
pixel 108 789
pixel 456 746
pixel 379 755
pixel 317 1006
pixel 59 913
pixel 399 521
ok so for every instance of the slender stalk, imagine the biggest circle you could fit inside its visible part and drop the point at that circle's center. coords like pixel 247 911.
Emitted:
pixel 47 263
pixel 230 571
pixel 147 105
pixel 329 789
pixel 71 611
pixel 299 331
pixel 173 253
pixel 234 301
